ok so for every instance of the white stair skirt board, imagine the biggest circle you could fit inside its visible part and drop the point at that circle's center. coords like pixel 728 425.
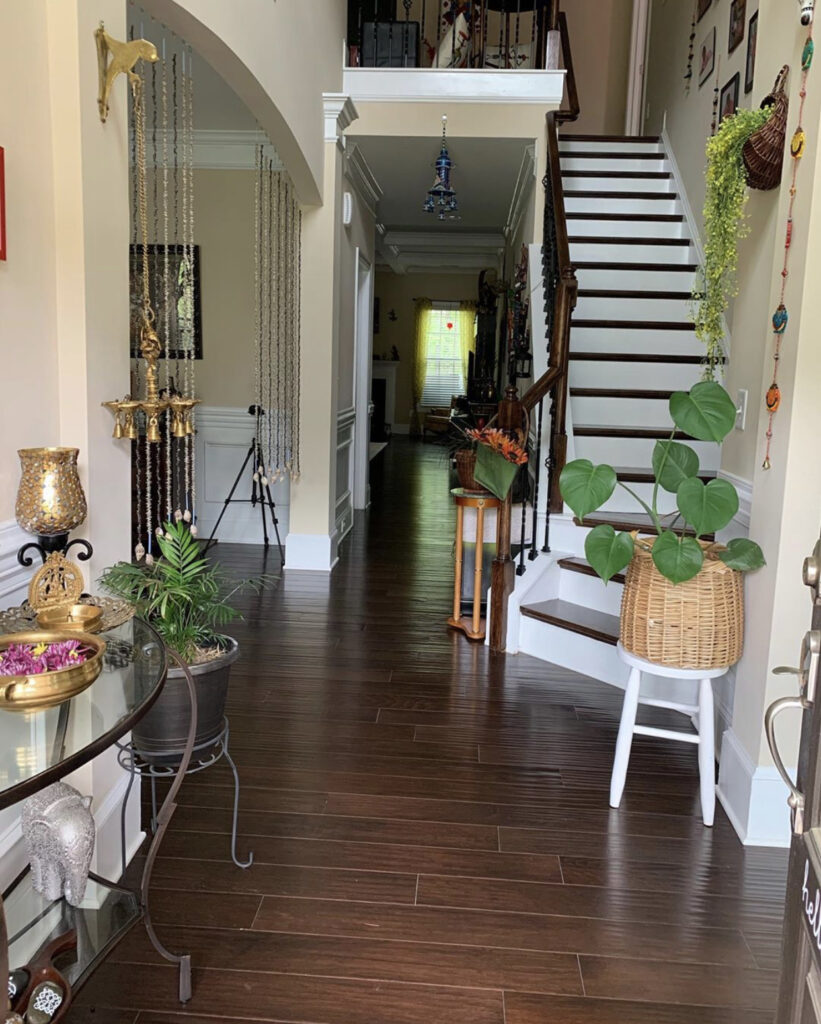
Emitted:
pixel 603 373
pixel 648 281
pixel 310 552
pixel 620 204
pixel 636 451
pixel 567 144
pixel 591 163
pixel 622 309
pixel 224 435
pixel 619 412
pixel 603 183
pixel 626 339
pixel 539 583
pixel 754 796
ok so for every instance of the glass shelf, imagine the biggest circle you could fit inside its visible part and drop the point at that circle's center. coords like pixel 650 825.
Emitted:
pixel 33 922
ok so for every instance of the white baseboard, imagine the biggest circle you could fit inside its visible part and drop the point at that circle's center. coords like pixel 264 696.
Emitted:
pixel 14 578
pixel 311 552
pixel 754 796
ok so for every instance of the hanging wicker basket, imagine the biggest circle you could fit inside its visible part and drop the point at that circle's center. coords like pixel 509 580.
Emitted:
pixel 763 152
pixel 465 459
pixel 698 624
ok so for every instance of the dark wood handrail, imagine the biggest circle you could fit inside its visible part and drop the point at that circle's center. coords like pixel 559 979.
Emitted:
pixel 563 297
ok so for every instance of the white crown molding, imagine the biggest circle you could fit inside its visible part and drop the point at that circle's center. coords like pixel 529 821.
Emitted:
pixel 216 150
pixel 339 112
pixel 521 191
pixel 362 178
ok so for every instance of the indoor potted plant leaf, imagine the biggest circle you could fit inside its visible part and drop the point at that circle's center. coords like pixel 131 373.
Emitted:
pixel 671 576
pixel 498 458
pixel 187 601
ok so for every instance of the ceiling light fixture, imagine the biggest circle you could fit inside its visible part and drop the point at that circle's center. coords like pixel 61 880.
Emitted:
pixel 442 196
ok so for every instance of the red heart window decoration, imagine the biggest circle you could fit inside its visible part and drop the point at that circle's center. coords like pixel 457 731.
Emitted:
pixel 450 327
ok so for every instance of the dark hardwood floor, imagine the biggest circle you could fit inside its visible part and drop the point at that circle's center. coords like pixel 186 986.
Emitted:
pixel 431 827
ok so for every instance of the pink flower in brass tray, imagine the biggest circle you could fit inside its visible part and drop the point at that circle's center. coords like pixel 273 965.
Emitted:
pixel 34 659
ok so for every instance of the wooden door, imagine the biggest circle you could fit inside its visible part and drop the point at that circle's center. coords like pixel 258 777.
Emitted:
pixel 799 999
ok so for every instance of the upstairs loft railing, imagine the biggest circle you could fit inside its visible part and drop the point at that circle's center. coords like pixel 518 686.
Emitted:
pixel 477 34
pixel 560 293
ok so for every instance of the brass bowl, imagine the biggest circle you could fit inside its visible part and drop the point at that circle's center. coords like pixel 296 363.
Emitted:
pixel 86 618
pixel 47 689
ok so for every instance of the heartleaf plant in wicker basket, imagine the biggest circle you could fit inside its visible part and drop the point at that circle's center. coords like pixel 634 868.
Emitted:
pixel 683 597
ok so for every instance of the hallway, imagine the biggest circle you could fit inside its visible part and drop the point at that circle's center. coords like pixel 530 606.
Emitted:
pixel 430 824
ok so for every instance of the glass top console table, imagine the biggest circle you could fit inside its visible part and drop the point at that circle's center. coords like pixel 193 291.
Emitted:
pixel 38 748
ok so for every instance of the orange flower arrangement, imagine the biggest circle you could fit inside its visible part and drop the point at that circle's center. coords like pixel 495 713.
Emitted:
pixel 498 441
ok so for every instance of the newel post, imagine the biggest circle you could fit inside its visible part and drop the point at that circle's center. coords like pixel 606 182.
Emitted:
pixel 510 417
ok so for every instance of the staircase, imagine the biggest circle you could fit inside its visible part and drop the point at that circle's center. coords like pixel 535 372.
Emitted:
pixel 631 346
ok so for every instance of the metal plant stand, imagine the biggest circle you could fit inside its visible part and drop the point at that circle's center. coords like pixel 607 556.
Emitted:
pixel 203 756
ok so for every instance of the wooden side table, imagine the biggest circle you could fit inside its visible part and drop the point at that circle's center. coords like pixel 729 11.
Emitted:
pixel 472 626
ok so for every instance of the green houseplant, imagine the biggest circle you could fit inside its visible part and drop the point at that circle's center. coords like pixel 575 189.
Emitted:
pixel 683 599
pixel 188 601
pixel 724 226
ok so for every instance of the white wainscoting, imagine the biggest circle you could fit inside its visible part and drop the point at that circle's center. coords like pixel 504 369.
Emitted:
pixel 224 435
pixel 345 426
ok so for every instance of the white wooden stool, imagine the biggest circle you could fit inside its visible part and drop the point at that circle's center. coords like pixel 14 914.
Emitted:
pixel 701 715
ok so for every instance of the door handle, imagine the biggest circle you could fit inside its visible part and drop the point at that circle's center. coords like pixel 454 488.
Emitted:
pixel 808 674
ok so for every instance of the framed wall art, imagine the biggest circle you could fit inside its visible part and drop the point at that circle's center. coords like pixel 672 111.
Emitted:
pixel 703 7
pixel 177 307
pixel 728 101
pixel 2 203
pixel 707 56
pixel 738 17
pixel 752 40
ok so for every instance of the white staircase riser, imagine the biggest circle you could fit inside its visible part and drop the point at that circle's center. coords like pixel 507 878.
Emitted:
pixel 619 204
pixel 621 501
pixel 619 412
pixel 568 144
pixel 595 373
pixel 621 339
pixel 637 451
pixel 592 307
pixel 590 592
pixel 603 183
pixel 647 281
pixel 617 251
pixel 591 164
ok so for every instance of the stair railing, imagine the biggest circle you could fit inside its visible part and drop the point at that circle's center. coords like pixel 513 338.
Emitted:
pixel 560 294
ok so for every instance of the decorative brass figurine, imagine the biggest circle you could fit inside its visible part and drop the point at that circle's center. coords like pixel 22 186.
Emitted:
pixel 123 58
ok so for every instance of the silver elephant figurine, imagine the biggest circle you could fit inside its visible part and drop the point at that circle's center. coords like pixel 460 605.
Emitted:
pixel 59 833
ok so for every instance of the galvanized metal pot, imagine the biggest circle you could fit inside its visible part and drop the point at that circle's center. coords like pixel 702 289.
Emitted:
pixel 160 736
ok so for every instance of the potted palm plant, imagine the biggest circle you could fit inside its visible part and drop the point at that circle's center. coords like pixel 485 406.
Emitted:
pixel 187 600
pixel 683 594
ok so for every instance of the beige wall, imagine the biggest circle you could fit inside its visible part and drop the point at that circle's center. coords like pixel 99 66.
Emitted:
pixel 278 58
pixel 397 292
pixel 600 33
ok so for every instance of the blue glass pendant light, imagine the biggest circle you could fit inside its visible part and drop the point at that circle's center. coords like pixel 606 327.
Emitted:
pixel 442 196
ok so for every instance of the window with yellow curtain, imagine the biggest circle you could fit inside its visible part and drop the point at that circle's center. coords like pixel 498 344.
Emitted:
pixel 445 336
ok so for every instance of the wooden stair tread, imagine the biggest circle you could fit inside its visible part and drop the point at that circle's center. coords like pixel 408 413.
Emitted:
pixel 584 193
pixel 618 393
pixel 636 357
pixel 627 239
pixel 630 293
pixel 635 325
pixel 610 154
pixel 657 175
pixel 677 268
pixel 582 566
pixel 630 521
pixel 659 433
pixel 576 618
pixel 573 137
pixel 633 475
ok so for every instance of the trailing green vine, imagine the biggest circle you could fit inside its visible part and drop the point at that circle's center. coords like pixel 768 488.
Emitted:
pixel 724 226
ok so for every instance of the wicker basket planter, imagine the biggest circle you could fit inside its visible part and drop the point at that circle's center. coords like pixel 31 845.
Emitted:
pixel 698 624
pixel 763 152
pixel 465 460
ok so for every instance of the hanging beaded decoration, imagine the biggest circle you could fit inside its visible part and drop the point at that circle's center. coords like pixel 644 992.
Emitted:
pixel 688 75
pixel 716 92
pixel 277 269
pixel 780 317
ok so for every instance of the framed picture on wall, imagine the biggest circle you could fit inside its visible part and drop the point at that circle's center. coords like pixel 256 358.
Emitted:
pixel 728 101
pixel 707 57
pixel 749 67
pixel 177 308
pixel 738 17
pixel 703 7
pixel 2 203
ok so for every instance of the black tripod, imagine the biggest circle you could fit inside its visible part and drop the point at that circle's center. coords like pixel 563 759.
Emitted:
pixel 260 492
